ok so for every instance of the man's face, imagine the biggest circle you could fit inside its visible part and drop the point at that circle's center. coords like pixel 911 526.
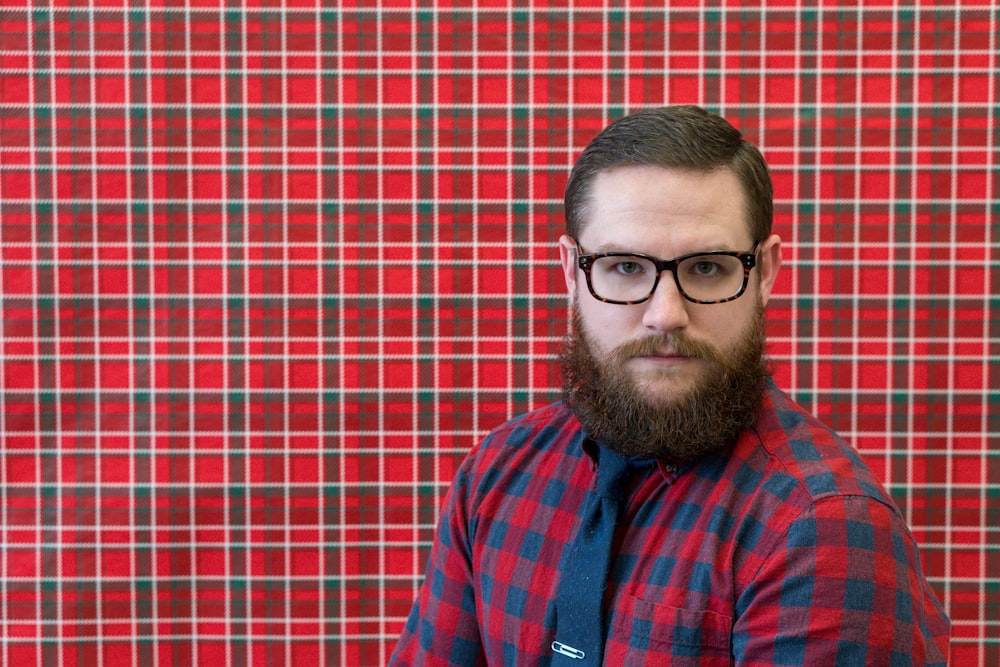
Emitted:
pixel 667 213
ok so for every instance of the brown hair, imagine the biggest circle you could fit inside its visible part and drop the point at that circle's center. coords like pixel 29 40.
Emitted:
pixel 677 137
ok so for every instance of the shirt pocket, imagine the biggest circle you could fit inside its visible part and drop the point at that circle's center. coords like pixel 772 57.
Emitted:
pixel 647 633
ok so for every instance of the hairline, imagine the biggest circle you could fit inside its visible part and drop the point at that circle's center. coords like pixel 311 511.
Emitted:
pixel 583 209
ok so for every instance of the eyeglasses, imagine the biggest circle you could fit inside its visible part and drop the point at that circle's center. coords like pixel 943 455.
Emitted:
pixel 628 278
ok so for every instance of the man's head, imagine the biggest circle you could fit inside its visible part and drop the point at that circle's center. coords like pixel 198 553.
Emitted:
pixel 653 373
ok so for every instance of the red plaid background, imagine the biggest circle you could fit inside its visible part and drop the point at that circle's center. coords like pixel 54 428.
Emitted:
pixel 268 273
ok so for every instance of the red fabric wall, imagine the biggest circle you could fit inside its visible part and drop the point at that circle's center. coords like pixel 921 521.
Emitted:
pixel 267 274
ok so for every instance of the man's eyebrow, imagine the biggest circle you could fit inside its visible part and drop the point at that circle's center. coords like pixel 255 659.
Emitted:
pixel 704 248
pixel 613 247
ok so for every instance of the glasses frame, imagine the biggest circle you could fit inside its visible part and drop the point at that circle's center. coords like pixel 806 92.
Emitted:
pixel 586 263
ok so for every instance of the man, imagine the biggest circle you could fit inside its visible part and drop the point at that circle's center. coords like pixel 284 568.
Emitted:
pixel 676 507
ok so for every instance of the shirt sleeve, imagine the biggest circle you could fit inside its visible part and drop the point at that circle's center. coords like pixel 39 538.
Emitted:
pixel 442 628
pixel 843 586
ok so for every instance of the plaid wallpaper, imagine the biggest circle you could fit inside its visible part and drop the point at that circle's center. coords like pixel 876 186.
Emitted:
pixel 268 272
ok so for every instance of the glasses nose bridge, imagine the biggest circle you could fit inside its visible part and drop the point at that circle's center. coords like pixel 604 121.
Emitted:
pixel 662 265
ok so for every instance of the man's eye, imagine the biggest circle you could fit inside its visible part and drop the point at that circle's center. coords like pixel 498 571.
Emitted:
pixel 628 268
pixel 705 269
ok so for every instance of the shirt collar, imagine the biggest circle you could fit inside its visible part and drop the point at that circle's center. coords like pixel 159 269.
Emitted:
pixel 667 470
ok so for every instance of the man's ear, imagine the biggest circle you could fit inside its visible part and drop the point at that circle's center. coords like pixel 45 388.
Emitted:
pixel 769 263
pixel 567 257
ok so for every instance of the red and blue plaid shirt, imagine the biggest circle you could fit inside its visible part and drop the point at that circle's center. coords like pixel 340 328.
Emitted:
pixel 783 551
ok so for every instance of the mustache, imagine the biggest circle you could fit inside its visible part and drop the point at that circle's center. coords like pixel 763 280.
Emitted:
pixel 677 343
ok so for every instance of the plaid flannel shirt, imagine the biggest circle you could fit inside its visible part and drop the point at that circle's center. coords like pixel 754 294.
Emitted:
pixel 784 550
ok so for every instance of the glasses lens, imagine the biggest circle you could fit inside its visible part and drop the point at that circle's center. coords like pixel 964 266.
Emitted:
pixel 623 278
pixel 710 277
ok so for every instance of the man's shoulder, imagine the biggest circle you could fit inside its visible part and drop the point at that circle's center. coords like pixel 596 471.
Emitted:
pixel 542 444
pixel 805 449
pixel 539 427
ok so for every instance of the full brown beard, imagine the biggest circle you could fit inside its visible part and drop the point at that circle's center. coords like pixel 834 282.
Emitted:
pixel 616 411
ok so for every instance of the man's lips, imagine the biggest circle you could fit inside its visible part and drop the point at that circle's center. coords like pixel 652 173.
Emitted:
pixel 666 353
pixel 664 357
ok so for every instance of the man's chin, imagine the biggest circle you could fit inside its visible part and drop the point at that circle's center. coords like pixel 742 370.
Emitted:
pixel 665 383
pixel 659 395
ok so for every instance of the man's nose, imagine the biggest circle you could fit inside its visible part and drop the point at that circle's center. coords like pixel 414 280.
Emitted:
pixel 666 308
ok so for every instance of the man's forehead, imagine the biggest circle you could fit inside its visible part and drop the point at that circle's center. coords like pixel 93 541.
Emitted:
pixel 631 207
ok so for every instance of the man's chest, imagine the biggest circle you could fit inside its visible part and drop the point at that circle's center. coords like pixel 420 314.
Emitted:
pixel 670 591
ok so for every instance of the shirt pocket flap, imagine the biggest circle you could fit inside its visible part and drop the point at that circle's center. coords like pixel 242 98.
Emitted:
pixel 645 628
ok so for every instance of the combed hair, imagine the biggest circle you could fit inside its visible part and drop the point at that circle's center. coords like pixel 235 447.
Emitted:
pixel 675 137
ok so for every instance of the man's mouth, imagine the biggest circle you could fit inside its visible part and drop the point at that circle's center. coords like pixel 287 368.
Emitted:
pixel 663 351
pixel 663 358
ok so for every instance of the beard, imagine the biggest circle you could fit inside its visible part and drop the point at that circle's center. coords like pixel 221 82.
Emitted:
pixel 629 418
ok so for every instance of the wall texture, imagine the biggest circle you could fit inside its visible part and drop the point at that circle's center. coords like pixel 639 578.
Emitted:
pixel 266 275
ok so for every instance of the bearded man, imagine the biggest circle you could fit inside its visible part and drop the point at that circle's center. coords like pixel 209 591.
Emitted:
pixel 676 507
